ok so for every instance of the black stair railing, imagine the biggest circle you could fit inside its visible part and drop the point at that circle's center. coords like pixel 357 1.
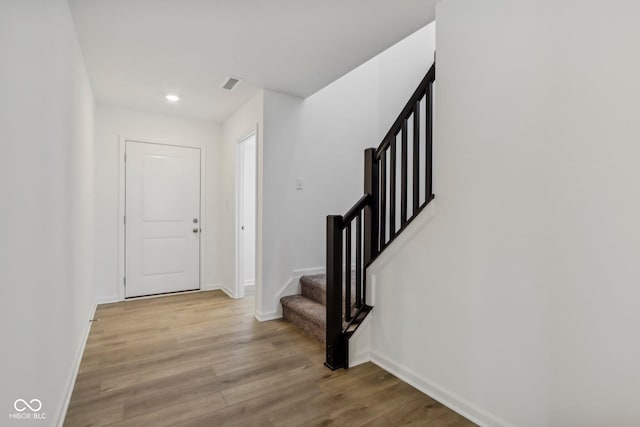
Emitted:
pixel 397 187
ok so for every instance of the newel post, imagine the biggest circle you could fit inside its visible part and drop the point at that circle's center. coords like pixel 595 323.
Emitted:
pixel 336 350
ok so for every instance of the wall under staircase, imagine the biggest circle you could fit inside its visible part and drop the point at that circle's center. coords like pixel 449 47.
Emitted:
pixel 517 303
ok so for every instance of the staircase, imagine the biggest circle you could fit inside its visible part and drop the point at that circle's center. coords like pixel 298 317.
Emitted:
pixel 308 311
pixel 397 187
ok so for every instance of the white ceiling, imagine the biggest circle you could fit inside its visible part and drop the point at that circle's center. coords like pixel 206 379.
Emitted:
pixel 137 51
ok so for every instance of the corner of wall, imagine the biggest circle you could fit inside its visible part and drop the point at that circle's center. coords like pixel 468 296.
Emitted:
pixel 228 291
pixel 291 287
pixel 108 299
pixel 212 286
pixel 75 368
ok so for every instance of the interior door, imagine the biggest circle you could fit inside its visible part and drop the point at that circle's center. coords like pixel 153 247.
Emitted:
pixel 248 210
pixel 162 219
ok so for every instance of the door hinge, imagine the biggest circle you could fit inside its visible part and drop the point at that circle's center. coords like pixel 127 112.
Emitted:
pixel 124 280
pixel 125 157
pixel 125 220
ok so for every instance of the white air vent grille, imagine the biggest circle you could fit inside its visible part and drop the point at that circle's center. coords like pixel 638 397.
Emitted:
pixel 230 83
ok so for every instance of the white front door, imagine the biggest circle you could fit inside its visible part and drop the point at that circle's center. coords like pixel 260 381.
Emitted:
pixel 162 219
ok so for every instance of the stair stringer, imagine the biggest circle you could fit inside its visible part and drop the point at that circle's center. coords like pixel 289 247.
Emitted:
pixel 395 248
pixel 360 343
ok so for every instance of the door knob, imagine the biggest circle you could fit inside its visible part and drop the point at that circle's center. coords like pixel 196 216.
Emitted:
pixel 195 230
pixel 195 220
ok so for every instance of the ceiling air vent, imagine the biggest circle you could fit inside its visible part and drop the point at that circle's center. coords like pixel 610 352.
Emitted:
pixel 230 83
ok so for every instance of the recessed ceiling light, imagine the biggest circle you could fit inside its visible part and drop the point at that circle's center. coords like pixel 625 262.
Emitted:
pixel 173 98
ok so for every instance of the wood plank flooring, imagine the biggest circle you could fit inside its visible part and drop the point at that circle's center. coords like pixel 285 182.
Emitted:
pixel 201 359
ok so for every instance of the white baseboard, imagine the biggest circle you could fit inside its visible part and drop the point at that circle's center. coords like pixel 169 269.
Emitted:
pixel 442 395
pixel 358 359
pixel 212 287
pixel 292 287
pixel 75 367
pixel 264 317
pixel 227 291
pixel 116 298
pixel 108 300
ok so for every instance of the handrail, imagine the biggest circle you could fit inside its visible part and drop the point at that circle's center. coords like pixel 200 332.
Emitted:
pixel 359 206
pixel 374 217
pixel 430 77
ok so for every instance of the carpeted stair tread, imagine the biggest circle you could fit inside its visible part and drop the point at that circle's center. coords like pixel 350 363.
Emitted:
pixel 315 287
pixel 306 314
pixel 308 311
pixel 313 310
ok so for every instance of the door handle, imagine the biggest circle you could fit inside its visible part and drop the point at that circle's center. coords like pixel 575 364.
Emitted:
pixel 195 230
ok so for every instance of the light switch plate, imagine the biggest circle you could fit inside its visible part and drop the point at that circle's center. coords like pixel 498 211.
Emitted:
pixel 299 184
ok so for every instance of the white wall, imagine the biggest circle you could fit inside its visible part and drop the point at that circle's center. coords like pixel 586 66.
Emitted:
pixel 239 125
pixel 47 195
pixel 518 302
pixel 322 140
pixel 111 123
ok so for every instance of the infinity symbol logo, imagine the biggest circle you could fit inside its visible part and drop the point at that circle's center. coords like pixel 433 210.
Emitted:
pixel 21 405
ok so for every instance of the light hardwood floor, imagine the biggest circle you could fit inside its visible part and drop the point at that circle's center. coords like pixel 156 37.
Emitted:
pixel 201 359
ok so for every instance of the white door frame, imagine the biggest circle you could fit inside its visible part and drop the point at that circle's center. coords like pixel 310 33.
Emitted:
pixel 239 287
pixel 122 206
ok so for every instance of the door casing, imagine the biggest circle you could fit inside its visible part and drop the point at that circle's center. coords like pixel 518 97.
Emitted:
pixel 122 207
pixel 239 285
